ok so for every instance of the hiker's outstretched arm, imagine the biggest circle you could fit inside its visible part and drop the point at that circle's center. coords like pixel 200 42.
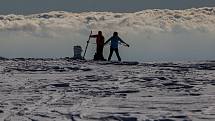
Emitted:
pixel 93 36
pixel 123 42
pixel 107 41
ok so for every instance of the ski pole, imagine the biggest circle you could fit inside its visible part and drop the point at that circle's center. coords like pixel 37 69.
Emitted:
pixel 87 44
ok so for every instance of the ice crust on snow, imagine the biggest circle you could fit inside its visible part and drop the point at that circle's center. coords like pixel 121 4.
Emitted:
pixel 202 19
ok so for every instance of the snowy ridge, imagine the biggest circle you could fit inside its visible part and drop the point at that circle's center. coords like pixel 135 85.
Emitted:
pixel 202 19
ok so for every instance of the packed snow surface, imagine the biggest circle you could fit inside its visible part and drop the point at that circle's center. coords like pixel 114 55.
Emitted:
pixel 69 90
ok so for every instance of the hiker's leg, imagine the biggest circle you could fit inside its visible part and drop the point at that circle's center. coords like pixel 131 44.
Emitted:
pixel 111 53
pixel 101 52
pixel 96 56
pixel 117 54
pixel 98 50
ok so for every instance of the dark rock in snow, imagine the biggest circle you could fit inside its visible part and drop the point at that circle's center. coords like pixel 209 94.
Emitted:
pixel 164 120
pixel 128 91
pixel 19 59
pixel 162 78
pixel 2 58
pixel 1 111
pixel 128 119
pixel 195 94
pixel 147 78
pixel 61 85
pixel 180 116
pixel 74 68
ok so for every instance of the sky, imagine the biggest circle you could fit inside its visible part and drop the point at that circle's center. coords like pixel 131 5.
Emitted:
pixel 38 6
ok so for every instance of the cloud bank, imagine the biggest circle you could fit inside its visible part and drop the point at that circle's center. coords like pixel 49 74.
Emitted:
pixel 155 32
pixel 201 19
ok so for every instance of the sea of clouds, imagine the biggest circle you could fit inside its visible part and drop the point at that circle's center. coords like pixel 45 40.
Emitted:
pixel 153 34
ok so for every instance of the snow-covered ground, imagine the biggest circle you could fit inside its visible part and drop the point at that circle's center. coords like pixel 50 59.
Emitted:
pixel 69 90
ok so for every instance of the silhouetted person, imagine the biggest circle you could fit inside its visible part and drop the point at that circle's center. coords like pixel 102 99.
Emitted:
pixel 100 45
pixel 115 39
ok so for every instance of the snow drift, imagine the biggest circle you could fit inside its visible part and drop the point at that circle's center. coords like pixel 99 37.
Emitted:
pixel 153 34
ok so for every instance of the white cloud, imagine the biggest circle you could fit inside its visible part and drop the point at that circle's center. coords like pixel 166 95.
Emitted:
pixel 159 20
pixel 156 34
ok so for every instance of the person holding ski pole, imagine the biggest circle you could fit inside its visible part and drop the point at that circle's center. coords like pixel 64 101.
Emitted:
pixel 100 45
pixel 115 39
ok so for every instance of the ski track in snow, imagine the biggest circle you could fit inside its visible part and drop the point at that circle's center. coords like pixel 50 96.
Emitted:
pixel 69 90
